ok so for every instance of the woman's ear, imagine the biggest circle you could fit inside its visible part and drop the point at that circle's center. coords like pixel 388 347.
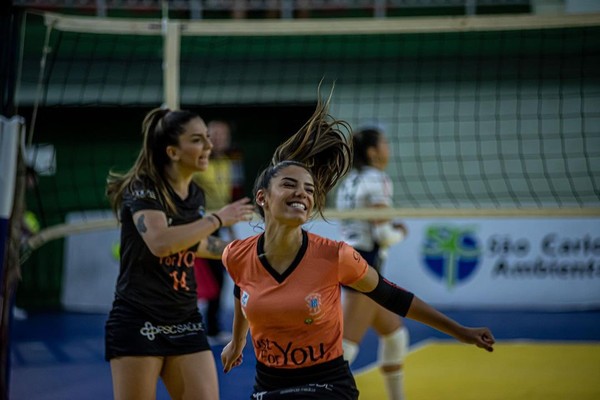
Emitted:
pixel 172 153
pixel 260 198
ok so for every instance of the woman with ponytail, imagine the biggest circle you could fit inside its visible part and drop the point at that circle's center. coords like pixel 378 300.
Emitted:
pixel 287 280
pixel 154 330
pixel 369 186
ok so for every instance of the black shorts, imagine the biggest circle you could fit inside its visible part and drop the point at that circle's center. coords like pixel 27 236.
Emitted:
pixel 130 333
pixel 330 380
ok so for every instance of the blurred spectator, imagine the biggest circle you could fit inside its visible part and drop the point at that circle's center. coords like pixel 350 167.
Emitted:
pixel 222 182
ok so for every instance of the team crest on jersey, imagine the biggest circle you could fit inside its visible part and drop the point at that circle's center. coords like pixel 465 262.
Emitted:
pixel 244 302
pixel 313 301
pixel 244 298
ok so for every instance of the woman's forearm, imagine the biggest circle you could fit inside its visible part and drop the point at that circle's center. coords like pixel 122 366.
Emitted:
pixel 424 313
pixel 240 325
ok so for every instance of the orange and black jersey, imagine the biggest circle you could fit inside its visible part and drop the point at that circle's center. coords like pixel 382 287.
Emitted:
pixel 295 318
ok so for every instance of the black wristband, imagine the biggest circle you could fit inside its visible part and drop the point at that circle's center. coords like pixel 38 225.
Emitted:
pixel 391 296
pixel 219 220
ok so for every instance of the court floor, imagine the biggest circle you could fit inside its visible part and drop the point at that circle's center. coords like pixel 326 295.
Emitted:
pixel 59 356
pixel 517 370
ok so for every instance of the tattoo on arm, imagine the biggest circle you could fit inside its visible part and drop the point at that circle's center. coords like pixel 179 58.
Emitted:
pixel 140 225
pixel 215 245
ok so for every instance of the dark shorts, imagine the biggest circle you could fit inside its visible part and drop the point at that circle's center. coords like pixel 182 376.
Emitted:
pixel 130 333
pixel 330 380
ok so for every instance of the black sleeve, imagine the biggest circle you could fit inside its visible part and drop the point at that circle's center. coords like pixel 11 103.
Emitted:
pixel 391 296
pixel 142 196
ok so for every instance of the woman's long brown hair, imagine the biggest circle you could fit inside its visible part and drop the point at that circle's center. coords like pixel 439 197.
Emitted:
pixel 323 146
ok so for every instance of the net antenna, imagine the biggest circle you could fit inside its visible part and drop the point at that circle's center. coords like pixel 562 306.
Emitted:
pixel 487 116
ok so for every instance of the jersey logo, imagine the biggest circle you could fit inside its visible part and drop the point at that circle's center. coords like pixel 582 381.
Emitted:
pixel 244 302
pixel 244 298
pixel 144 194
pixel 313 301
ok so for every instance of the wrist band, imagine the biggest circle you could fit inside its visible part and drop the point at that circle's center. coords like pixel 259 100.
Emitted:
pixel 219 220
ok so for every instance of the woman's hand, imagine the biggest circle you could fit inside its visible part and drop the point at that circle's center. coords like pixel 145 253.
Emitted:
pixel 232 356
pixel 424 313
pixel 240 210
pixel 480 337
pixel 400 226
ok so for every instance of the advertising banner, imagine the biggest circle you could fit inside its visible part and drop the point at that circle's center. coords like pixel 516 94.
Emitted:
pixel 91 266
pixel 503 263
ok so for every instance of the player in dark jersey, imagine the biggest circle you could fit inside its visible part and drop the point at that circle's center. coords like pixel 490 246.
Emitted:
pixel 288 280
pixel 154 329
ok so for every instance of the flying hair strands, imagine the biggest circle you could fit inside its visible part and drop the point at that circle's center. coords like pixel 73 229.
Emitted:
pixel 323 146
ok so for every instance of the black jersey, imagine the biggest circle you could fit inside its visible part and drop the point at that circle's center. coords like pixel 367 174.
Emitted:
pixel 161 287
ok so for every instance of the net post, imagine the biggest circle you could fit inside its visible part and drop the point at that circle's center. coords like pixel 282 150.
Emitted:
pixel 172 42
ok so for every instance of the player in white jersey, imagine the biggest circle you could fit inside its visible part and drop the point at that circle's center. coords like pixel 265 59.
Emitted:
pixel 368 186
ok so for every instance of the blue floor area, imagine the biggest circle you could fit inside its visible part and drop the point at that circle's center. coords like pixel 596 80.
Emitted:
pixel 60 356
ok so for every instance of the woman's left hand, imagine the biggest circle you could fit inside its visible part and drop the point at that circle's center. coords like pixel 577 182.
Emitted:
pixel 480 337
pixel 231 357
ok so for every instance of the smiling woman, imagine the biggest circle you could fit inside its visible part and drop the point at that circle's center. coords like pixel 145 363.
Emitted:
pixel 293 192
pixel 288 281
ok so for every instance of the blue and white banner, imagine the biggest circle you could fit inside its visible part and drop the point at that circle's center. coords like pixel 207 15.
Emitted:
pixel 501 263
pixel 538 263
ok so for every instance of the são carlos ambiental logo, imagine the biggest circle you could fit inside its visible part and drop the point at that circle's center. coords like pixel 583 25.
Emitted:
pixel 451 253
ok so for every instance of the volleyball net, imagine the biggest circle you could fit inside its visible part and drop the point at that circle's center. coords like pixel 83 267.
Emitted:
pixel 486 116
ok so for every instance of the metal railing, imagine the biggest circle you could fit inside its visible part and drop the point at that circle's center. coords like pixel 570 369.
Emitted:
pixel 281 8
